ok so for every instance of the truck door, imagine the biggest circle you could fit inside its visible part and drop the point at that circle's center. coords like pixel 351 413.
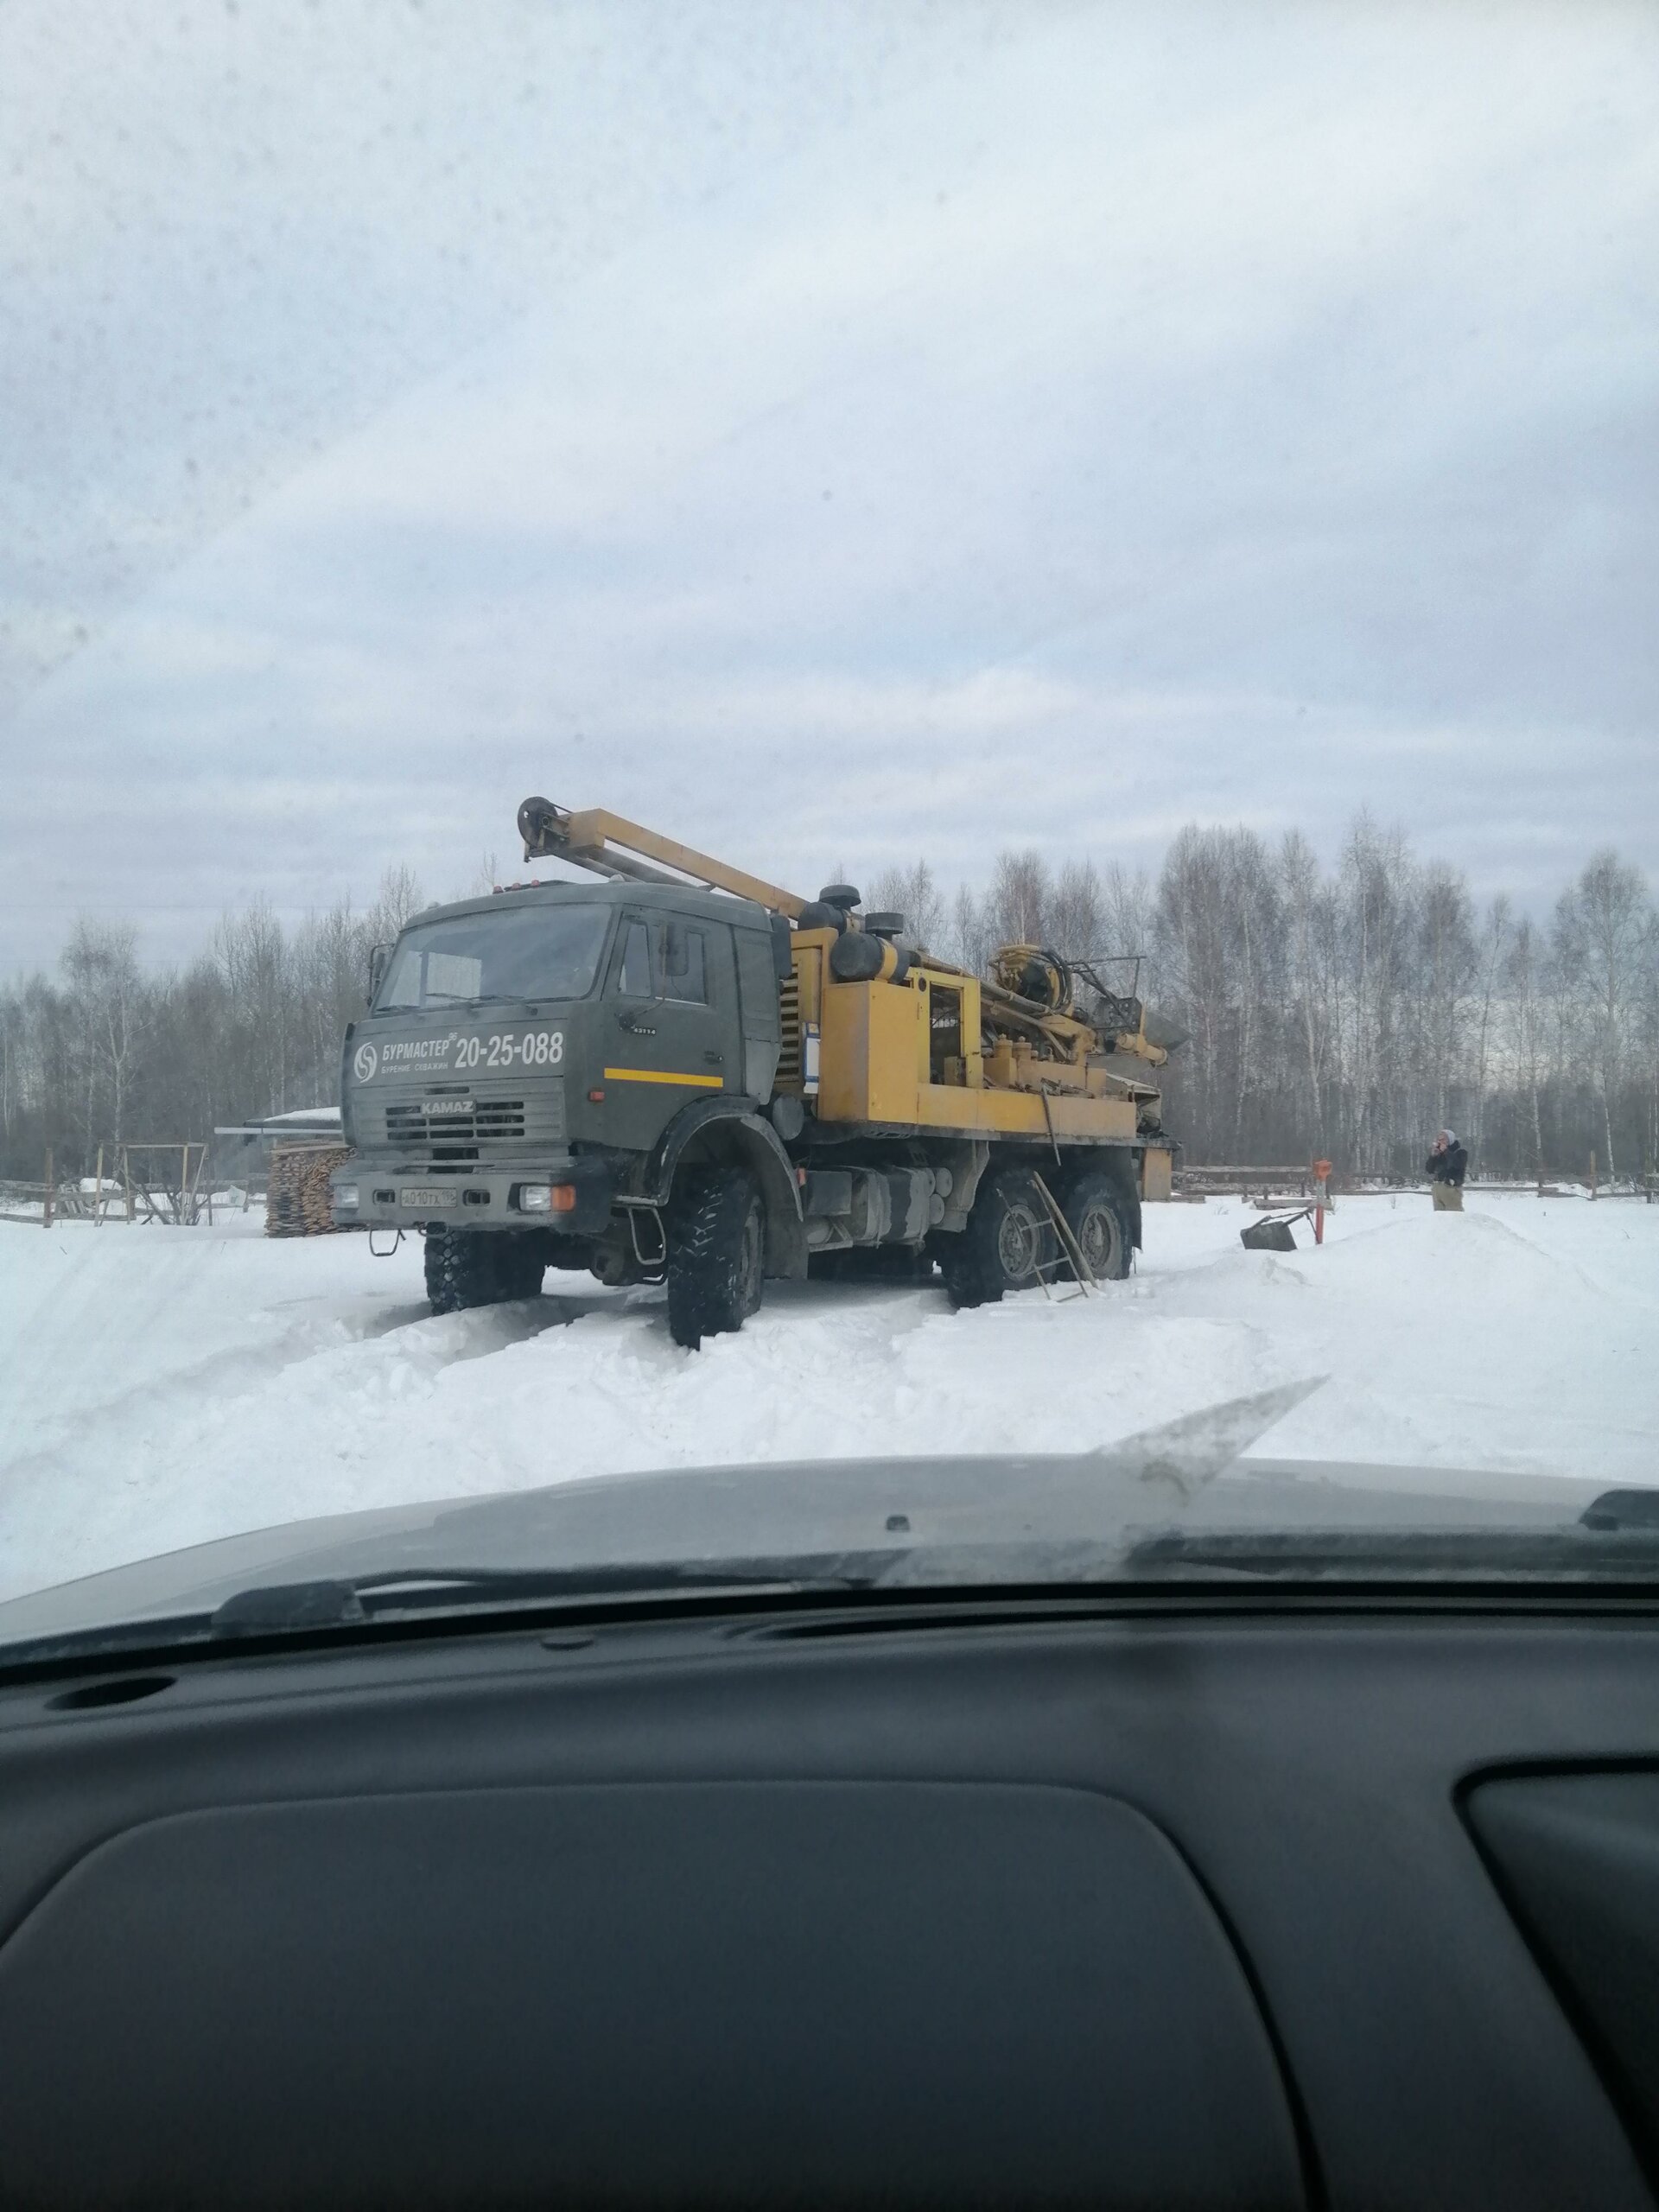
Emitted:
pixel 670 1023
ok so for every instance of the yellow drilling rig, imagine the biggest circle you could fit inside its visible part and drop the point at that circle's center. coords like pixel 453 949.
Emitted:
pixel 686 1072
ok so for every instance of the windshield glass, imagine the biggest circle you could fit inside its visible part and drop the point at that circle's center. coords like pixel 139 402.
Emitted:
pixel 1042 616
pixel 515 952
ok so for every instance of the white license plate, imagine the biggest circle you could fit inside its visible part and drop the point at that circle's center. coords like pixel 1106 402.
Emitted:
pixel 417 1195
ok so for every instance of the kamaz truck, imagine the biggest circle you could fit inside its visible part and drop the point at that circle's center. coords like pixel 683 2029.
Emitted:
pixel 680 1073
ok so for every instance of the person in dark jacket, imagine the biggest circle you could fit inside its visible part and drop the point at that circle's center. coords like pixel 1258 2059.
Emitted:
pixel 1446 1165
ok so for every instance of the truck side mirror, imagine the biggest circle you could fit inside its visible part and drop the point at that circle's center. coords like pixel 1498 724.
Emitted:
pixel 783 959
pixel 377 956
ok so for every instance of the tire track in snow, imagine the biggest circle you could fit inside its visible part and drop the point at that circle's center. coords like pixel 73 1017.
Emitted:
pixel 151 1433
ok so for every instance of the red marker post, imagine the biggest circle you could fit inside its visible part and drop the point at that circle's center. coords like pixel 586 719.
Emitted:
pixel 1322 1176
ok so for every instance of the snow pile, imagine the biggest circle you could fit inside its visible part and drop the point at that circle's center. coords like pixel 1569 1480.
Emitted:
pixel 165 1386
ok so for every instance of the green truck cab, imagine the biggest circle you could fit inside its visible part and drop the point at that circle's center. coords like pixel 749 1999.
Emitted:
pixel 577 1076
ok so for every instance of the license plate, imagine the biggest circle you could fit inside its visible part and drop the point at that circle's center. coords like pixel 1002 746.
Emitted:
pixel 417 1195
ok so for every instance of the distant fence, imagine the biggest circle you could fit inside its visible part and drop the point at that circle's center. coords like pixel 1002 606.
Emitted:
pixel 1247 1182
pixel 39 1203
pixel 1285 1182
pixel 152 1181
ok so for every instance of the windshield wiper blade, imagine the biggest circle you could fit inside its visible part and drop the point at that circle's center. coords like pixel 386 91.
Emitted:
pixel 326 1605
pixel 291 1607
pixel 1597 1552
pixel 1623 1511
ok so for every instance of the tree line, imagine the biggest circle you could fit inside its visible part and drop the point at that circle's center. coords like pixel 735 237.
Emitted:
pixel 1345 1011
pixel 105 1050
pixel 1348 1013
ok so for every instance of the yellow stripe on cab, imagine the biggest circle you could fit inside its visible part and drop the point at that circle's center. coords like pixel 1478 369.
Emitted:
pixel 660 1075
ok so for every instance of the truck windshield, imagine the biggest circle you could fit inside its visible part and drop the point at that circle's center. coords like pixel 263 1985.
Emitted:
pixel 524 952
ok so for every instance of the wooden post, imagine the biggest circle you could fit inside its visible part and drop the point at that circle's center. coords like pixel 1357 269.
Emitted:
pixel 98 1191
pixel 45 1197
pixel 126 1178
pixel 1593 1176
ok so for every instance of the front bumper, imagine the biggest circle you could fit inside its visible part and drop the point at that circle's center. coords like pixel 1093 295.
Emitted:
pixel 405 1194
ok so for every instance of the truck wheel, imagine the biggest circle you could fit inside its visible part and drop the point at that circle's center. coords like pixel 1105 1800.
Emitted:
pixel 1099 1214
pixel 1009 1238
pixel 459 1270
pixel 717 1251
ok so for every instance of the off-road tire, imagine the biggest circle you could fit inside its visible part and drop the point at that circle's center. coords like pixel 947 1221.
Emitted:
pixel 1098 1209
pixel 1007 1236
pixel 716 1254
pixel 460 1269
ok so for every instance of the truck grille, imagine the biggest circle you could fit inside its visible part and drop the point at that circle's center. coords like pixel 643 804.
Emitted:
pixel 421 1124
pixel 788 1076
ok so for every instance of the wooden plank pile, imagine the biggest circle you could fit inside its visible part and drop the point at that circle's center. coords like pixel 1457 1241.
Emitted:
pixel 297 1204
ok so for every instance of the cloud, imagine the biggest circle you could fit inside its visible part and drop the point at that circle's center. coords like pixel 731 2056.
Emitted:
pixel 1151 416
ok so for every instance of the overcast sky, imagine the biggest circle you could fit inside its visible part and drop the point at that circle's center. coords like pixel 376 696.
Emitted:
pixel 830 433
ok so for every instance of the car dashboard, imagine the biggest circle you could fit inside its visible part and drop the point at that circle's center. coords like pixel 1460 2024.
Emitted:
pixel 1196 1898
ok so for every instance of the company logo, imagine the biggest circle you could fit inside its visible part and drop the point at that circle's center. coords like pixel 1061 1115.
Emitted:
pixel 365 1061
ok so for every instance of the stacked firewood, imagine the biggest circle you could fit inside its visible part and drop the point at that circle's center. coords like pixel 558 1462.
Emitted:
pixel 297 1201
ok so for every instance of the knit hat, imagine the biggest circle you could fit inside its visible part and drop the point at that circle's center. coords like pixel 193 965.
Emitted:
pixel 1450 1137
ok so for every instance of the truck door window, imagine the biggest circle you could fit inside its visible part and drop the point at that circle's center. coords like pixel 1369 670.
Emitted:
pixel 633 968
pixel 944 1036
pixel 683 972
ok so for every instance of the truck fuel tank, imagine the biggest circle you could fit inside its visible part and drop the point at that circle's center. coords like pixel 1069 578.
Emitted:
pixel 871 1205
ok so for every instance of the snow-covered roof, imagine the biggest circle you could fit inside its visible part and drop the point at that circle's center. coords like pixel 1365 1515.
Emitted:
pixel 316 1121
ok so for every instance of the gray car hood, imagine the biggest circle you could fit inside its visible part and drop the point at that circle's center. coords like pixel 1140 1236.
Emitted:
pixel 957 1519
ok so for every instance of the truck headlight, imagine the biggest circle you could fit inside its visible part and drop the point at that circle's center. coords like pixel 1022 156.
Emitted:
pixel 547 1197
pixel 346 1197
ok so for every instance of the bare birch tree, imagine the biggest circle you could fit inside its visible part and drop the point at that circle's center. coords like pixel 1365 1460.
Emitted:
pixel 913 892
pixel 1602 924
pixel 1019 900
pixel 106 994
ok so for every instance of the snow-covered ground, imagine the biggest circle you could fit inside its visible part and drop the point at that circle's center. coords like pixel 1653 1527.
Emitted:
pixel 163 1385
